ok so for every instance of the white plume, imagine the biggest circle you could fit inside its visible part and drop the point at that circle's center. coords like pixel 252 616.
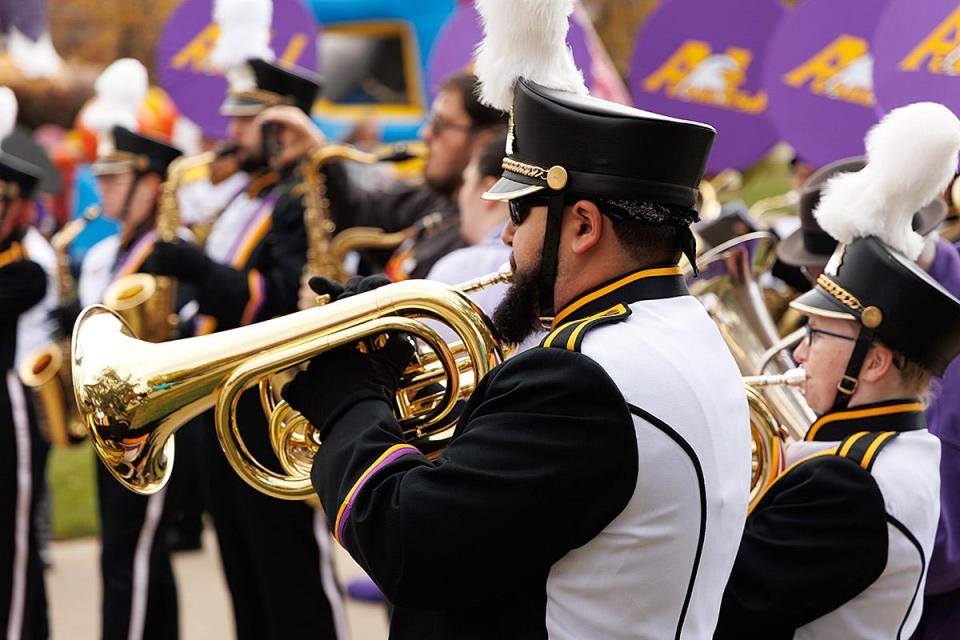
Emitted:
pixel 121 89
pixel 35 58
pixel 911 158
pixel 8 112
pixel 244 32
pixel 528 39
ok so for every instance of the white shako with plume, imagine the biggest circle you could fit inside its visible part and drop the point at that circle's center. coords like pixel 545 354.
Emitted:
pixel 121 90
pixel 244 35
pixel 658 567
pixel 911 159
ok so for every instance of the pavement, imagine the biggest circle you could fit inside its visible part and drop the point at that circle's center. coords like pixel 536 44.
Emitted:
pixel 73 593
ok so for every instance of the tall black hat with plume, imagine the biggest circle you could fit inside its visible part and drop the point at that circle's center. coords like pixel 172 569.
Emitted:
pixel 563 143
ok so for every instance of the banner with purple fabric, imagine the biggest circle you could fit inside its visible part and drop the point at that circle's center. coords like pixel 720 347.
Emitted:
pixel 189 36
pixel 917 51
pixel 701 61
pixel 819 78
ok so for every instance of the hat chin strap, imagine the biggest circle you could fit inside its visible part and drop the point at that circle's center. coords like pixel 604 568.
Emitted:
pixel 549 257
pixel 848 384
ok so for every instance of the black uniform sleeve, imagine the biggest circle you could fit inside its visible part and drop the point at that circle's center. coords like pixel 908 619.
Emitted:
pixel 392 210
pixel 22 285
pixel 814 542
pixel 544 458
pixel 268 286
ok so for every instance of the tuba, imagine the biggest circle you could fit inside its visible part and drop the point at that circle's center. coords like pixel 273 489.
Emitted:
pixel 327 251
pixel 147 302
pixel 729 291
pixel 46 371
pixel 133 395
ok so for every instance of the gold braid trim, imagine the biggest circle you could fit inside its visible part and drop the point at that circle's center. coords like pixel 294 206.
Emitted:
pixel 522 169
pixel 839 292
pixel 260 95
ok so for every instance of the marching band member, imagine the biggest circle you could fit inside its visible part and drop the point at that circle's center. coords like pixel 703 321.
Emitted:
pixel 596 486
pixel 839 544
pixel 249 271
pixel 457 122
pixel 139 590
pixel 23 283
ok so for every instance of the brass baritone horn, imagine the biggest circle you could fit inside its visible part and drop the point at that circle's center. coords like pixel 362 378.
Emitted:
pixel 46 371
pixel 134 395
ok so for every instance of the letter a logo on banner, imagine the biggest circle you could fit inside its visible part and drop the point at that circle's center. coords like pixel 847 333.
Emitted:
pixel 695 74
pixel 843 70
pixel 939 51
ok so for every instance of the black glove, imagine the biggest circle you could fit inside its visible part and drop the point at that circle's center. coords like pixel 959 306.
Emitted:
pixel 339 379
pixel 178 259
pixel 355 285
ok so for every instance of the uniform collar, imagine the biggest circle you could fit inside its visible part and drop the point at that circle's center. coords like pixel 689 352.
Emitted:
pixel 645 284
pixel 905 414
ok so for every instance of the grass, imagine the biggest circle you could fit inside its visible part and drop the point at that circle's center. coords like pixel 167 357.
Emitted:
pixel 71 475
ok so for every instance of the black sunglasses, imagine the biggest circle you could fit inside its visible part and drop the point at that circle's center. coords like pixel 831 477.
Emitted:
pixel 521 207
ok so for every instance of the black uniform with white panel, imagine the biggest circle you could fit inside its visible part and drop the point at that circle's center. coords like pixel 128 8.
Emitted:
pixel 275 554
pixel 23 283
pixel 839 544
pixel 595 486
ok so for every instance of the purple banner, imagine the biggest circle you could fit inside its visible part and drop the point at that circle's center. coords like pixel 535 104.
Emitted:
pixel 819 78
pixel 453 49
pixel 701 61
pixel 189 36
pixel 917 51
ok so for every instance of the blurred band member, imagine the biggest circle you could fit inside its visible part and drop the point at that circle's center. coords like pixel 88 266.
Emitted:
pixel 23 283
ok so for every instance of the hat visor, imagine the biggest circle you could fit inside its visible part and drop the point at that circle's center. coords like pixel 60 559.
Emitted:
pixel 235 106
pixel 817 302
pixel 791 251
pixel 507 189
pixel 932 216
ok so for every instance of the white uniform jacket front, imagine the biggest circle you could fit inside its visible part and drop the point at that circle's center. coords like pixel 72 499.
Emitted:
pixel 838 546
pixel 596 486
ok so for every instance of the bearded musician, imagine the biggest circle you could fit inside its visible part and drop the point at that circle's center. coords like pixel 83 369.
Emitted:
pixel 838 546
pixel 582 495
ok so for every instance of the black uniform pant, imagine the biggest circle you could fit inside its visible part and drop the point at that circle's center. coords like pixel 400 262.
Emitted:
pixel 275 553
pixel 139 591
pixel 23 600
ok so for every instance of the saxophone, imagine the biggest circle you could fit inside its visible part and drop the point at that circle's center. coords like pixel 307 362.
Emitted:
pixel 148 302
pixel 326 251
pixel 46 371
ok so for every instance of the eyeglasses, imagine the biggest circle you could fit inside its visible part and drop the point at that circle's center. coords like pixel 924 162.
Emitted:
pixel 439 125
pixel 811 331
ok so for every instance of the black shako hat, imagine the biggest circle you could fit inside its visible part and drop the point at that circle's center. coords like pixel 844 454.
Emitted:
pixel 562 144
pixel 564 141
pixel 135 152
pixel 891 296
pixel 264 84
pixel 810 245
pixel 18 178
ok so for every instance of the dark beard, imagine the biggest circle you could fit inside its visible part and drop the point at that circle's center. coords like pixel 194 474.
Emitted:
pixel 517 316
